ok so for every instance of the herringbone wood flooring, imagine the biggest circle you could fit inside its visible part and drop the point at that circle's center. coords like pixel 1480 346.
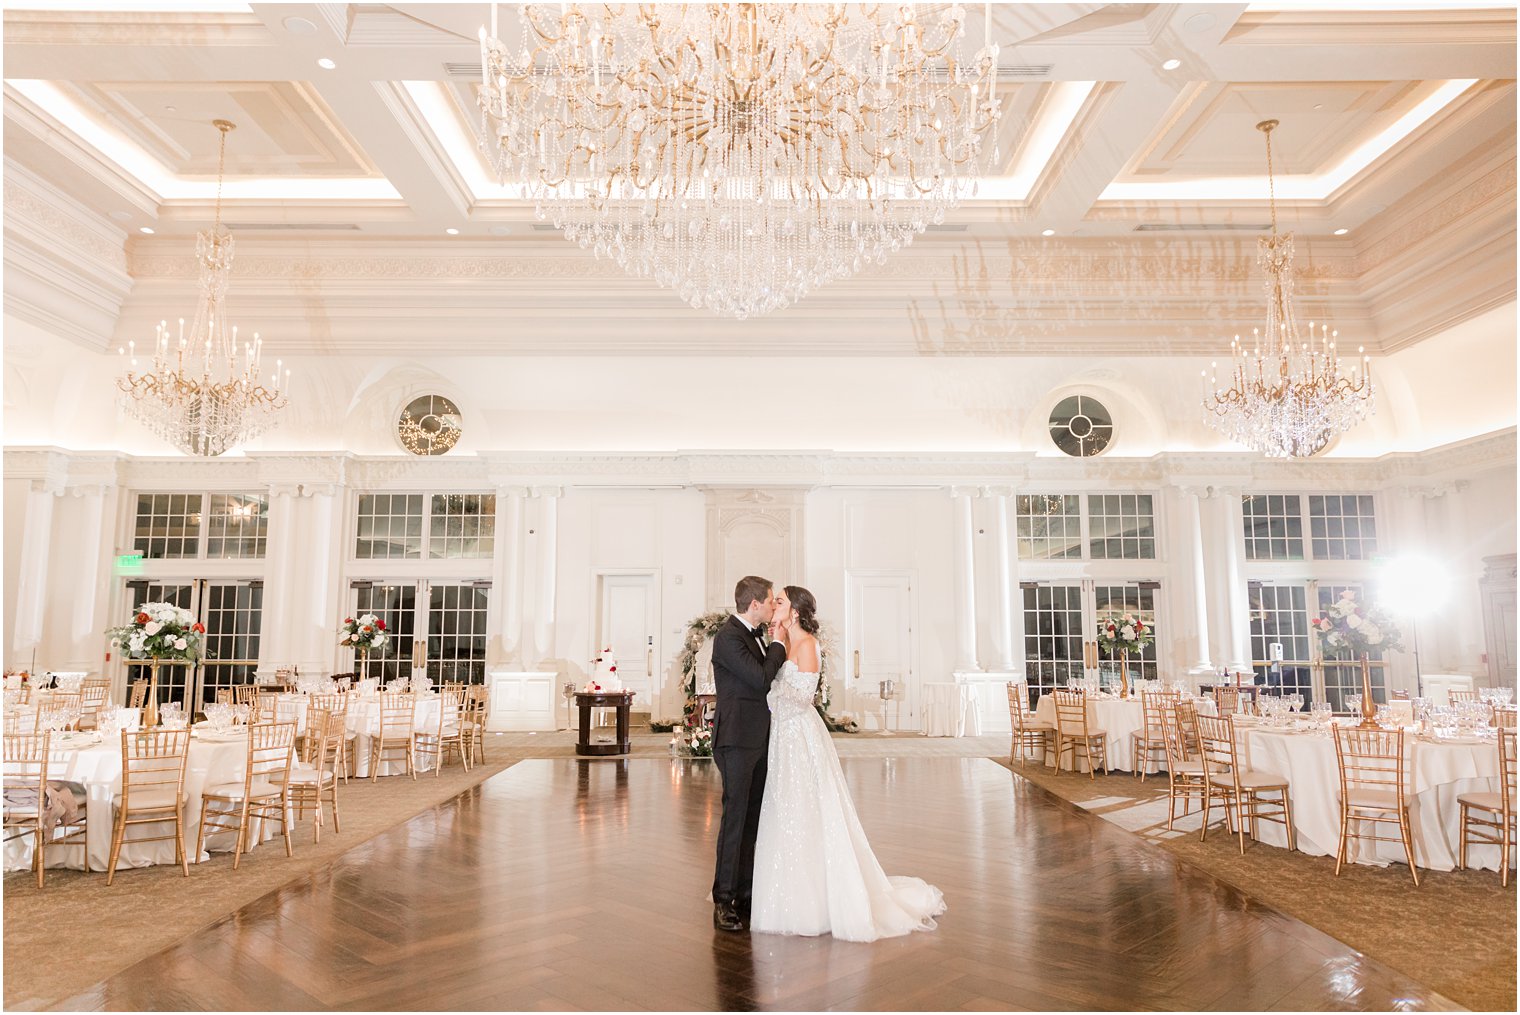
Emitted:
pixel 564 884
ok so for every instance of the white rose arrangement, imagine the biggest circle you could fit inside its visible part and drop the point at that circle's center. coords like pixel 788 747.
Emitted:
pixel 1349 626
pixel 160 631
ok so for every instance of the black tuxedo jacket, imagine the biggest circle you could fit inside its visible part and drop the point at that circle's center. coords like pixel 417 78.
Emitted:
pixel 742 673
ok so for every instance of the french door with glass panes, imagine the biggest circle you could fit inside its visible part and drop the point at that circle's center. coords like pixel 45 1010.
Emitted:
pixel 1060 629
pixel 1286 654
pixel 232 612
pixel 439 624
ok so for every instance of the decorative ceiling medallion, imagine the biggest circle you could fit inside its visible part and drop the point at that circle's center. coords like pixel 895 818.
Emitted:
pixel 429 425
pixel 1080 426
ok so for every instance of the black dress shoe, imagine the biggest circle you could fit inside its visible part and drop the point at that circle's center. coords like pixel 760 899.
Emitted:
pixel 726 917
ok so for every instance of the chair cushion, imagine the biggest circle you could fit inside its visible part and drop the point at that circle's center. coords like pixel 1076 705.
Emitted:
pixel 234 790
pixel 150 800
pixel 1484 801
pixel 1384 798
pixel 1188 768
pixel 309 777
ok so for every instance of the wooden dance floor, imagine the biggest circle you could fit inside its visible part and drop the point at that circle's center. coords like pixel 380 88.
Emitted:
pixel 564 884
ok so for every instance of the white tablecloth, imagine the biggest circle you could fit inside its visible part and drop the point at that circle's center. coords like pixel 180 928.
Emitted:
pixel 364 721
pixel 1120 718
pixel 98 768
pixel 1438 774
pixel 950 710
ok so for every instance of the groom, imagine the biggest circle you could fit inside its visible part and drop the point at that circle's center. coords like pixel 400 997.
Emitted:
pixel 743 668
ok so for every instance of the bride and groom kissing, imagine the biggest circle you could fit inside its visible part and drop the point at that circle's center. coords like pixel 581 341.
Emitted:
pixel 792 857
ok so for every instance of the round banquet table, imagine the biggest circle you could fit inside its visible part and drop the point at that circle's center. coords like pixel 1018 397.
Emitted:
pixel 97 766
pixel 1120 718
pixel 1437 772
pixel 950 710
pixel 364 722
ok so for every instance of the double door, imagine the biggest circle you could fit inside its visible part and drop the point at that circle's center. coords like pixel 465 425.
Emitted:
pixel 232 612
pixel 439 625
pixel 1286 655
pixel 1061 627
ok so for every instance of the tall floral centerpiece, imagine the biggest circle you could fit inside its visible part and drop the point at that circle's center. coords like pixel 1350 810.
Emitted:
pixel 1118 635
pixel 364 635
pixel 1349 625
pixel 159 631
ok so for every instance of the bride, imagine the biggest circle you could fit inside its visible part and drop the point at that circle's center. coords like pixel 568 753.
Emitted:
pixel 814 871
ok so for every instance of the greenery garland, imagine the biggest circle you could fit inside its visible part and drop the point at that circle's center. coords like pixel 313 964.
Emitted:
pixel 701 628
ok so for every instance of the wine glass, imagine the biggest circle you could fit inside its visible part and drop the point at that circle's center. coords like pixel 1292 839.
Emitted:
pixel 1353 703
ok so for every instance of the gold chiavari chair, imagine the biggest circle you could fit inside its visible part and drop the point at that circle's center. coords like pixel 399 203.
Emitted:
pixel 1239 787
pixel 1457 695
pixel 138 696
pixel 1028 734
pixel 246 694
pixel 1226 700
pixel 337 703
pixel 152 790
pixel 1373 789
pixel 224 696
pixel 259 794
pixel 26 695
pixel 266 706
pixel 1184 774
pixel 1072 733
pixel 398 713
pixel 1187 720
pixel 1504 717
pixel 51 812
pixel 1490 817
pixel 435 741
pixel 477 706
pixel 59 703
pixel 1151 740
pixel 13 722
pixel 92 698
pixel 316 769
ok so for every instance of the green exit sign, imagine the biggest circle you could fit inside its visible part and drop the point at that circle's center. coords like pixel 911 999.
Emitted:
pixel 129 563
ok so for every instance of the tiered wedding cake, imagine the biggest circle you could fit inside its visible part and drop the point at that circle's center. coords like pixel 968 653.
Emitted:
pixel 604 678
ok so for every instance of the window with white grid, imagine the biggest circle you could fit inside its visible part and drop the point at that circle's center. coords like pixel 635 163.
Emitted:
pixel 390 526
pixel 1053 630
pixel 1139 600
pixel 1342 527
pixel 1049 526
pixel 462 525
pixel 168 525
pixel 1274 526
pixel 237 526
pixel 456 642
pixel 1279 616
pixel 1121 526
pixel 396 605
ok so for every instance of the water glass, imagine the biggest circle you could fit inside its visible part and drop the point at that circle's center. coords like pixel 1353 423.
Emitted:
pixel 1354 703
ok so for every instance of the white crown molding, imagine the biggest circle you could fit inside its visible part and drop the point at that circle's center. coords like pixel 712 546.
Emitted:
pixel 134 28
pixel 65 266
pixel 732 473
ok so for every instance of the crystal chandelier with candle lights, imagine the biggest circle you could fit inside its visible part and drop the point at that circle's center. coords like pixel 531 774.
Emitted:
pixel 741 154
pixel 204 394
pixel 1286 396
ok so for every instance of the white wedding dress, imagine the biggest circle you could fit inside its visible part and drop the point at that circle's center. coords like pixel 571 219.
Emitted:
pixel 814 871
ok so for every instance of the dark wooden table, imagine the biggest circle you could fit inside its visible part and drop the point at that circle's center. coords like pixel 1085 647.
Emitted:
pixel 620 700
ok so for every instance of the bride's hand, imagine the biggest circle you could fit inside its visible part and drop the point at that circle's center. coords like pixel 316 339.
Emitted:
pixel 779 631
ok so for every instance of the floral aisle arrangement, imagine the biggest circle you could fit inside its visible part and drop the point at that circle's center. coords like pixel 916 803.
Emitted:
pixel 700 744
pixel 1349 626
pixel 1119 634
pixel 159 631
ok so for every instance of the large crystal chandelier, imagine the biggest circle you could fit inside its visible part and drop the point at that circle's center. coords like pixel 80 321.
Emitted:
pixel 740 153
pixel 204 394
pixel 1286 396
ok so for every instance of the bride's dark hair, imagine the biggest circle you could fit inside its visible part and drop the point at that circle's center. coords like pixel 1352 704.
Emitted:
pixel 806 606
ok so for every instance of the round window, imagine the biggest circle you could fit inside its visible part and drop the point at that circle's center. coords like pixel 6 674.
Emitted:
pixel 429 425
pixel 1081 426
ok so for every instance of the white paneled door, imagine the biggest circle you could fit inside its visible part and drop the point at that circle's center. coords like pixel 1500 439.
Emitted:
pixel 629 610
pixel 879 646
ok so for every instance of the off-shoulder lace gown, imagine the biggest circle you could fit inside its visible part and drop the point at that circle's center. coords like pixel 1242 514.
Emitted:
pixel 814 871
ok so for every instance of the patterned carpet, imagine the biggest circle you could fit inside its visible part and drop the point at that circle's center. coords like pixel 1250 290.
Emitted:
pixel 1455 933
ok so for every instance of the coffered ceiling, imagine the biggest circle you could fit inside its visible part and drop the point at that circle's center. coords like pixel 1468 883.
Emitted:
pixel 1394 118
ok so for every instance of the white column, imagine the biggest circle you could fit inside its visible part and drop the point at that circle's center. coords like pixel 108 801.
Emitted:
pixel 548 554
pixel 88 619
pixel 1002 627
pixel 965 584
pixel 507 575
pixel 323 560
pixel 1200 597
pixel 32 575
pixel 281 586
pixel 1238 632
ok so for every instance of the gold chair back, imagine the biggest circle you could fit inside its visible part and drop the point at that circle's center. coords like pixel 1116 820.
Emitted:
pixel 1504 717
pixel 1456 695
pixel 1216 745
pixel 138 696
pixel 153 759
pixel 1071 713
pixel 92 697
pixel 1226 700
pixel 59 703
pixel 1019 715
pixel 1371 760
